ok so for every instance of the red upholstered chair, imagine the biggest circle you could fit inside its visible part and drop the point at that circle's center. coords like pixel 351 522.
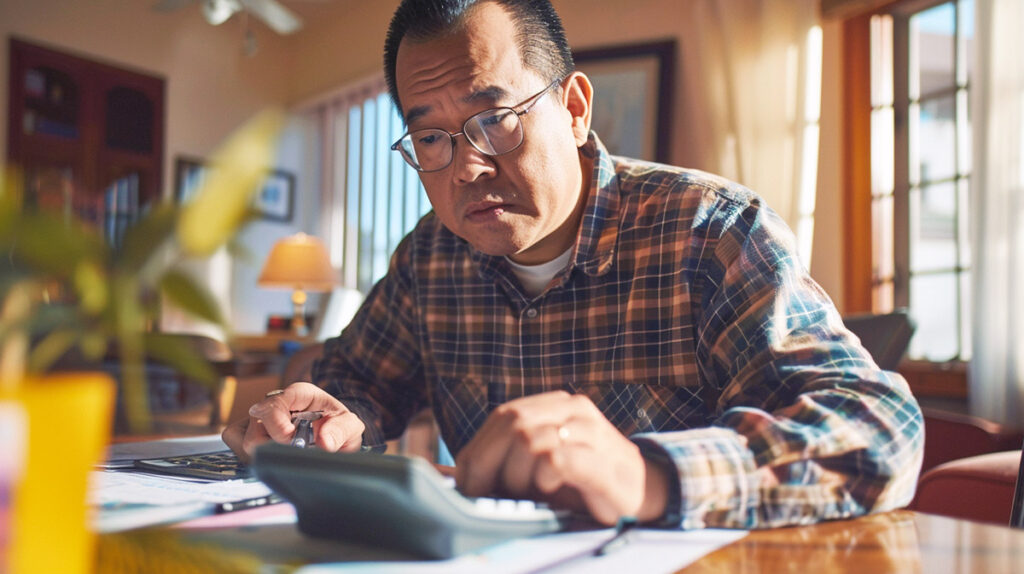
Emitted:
pixel 979 488
pixel 950 436
pixel 971 467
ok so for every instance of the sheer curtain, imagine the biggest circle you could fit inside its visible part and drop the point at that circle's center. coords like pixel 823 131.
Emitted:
pixel 753 70
pixel 996 376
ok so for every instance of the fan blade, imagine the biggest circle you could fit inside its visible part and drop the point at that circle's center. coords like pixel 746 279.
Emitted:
pixel 170 5
pixel 279 18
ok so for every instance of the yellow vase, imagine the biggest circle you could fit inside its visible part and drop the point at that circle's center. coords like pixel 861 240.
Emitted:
pixel 68 418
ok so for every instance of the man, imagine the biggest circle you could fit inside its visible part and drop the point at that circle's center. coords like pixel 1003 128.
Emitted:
pixel 613 336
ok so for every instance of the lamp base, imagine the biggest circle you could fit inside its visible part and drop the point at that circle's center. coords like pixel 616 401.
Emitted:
pixel 299 327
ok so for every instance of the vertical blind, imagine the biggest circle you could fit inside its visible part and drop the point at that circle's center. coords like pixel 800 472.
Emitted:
pixel 371 198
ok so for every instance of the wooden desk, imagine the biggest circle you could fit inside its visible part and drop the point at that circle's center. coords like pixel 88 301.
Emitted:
pixel 901 541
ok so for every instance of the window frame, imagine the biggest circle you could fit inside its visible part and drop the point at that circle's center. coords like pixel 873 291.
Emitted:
pixel 947 380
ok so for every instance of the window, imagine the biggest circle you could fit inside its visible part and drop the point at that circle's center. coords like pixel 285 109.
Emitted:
pixel 373 197
pixel 920 169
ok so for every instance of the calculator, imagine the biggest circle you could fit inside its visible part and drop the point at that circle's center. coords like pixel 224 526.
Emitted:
pixel 220 465
pixel 396 502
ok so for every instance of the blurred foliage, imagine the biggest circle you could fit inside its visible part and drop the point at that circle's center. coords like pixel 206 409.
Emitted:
pixel 64 290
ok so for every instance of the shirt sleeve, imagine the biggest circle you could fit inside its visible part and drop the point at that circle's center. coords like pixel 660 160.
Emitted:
pixel 374 367
pixel 807 426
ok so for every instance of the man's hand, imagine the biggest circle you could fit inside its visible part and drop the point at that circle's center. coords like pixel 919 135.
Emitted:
pixel 271 419
pixel 559 448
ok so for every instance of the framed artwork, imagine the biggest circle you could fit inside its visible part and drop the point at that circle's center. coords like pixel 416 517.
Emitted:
pixel 633 90
pixel 276 196
pixel 274 201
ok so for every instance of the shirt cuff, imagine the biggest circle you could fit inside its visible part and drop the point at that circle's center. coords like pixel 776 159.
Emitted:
pixel 716 477
pixel 373 437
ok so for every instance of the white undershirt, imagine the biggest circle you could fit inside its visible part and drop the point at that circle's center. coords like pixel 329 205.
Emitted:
pixel 536 277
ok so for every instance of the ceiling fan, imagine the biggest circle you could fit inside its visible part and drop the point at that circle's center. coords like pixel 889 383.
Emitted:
pixel 216 12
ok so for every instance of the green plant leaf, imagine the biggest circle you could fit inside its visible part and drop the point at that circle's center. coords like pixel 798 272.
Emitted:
pixel 236 170
pixel 51 348
pixel 178 353
pixel 50 245
pixel 143 239
pixel 186 293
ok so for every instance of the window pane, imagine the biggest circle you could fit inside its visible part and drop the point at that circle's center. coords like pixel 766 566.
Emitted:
pixel 966 30
pixel 933 239
pixel 882 297
pixel 882 141
pixel 963 222
pixel 935 141
pixel 932 40
pixel 963 135
pixel 881 61
pixel 966 313
pixel 882 237
pixel 934 308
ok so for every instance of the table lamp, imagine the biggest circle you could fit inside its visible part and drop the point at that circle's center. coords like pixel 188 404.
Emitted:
pixel 298 262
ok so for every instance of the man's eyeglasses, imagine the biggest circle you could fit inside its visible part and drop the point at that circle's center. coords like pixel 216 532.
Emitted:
pixel 491 132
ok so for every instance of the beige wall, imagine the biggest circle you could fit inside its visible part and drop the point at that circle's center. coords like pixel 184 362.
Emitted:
pixel 212 87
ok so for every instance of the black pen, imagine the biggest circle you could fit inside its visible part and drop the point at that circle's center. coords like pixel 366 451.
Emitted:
pixel 619 539
pixel 247 503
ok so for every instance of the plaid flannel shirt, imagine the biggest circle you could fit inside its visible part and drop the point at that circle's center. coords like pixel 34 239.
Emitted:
pixel 684 315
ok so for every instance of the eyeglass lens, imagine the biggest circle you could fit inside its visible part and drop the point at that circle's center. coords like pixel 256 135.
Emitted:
pixel 493 132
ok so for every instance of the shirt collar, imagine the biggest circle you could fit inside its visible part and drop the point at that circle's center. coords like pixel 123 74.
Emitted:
pixel 599 233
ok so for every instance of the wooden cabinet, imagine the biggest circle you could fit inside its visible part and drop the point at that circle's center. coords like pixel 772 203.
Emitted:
pixel 87 136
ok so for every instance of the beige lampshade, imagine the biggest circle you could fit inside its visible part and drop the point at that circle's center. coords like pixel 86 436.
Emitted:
pixel 299 261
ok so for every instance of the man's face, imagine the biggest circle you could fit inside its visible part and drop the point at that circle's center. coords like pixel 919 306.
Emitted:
pixel 525 204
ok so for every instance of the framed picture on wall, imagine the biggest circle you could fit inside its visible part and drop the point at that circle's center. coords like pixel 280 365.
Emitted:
pixel 274 200
pixel 276 196
pixel 633 86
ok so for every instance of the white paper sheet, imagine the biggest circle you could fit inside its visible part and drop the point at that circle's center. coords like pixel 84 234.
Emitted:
pixel 131 499
pixel 648 551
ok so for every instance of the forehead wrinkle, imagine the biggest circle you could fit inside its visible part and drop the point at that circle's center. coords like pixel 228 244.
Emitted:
pixel 427 79
pixel 490 94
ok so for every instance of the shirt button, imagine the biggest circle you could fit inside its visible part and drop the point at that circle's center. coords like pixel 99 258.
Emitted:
pixel 641 413
pixel 531 312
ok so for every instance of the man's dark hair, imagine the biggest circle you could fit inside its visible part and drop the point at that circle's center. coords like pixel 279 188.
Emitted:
pixel 539 33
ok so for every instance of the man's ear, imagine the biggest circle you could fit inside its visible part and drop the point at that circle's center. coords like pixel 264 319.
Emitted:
pixel 577 96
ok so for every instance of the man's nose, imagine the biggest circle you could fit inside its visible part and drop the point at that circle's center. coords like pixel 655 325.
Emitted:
pixel 470 164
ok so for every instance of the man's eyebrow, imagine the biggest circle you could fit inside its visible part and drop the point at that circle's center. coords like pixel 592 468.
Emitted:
pixel 488 94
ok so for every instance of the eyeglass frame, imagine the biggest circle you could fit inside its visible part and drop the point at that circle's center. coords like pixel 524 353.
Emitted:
pixel 529 103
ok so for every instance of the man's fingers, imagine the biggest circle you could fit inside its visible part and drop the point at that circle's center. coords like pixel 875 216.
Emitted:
pixel 526 453
pixel 557 447
pixel 234 436
pixel 484 464
pixel 272 419
pixel 342 431
pixel 479 462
